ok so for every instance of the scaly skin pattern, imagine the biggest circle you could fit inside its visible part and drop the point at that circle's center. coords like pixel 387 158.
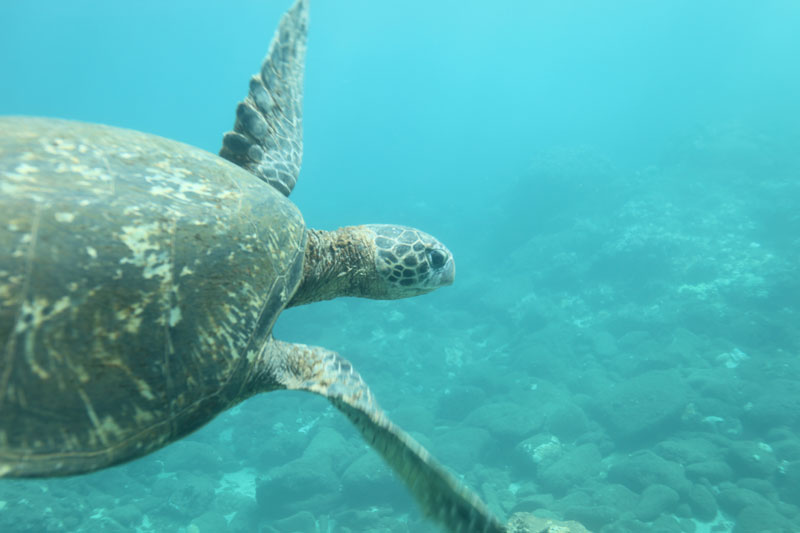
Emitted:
pixel 378 261
pixel 440 496
pixel 139 278
pixel 267 137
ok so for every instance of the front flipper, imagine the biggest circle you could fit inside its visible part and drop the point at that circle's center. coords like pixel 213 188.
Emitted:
pixel 267 137
pixel 441 497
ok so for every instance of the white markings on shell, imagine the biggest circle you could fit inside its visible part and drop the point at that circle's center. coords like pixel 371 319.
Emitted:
pixel 5 291
pixel 142 417
pixel 153 260
pixel 25 169
pixel 106 430
pixel 170 182
pixel 174 316
pixel 38 311
pixel 20 182
pixel 158 265
pixel 159 190
pixel 132 318
pixel 142 240
pixel 33 314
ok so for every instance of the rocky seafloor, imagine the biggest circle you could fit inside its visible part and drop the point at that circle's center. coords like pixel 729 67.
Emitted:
pixel 621 349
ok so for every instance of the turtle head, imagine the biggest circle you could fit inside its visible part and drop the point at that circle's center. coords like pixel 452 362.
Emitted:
pixel 378 261
pixel 408 261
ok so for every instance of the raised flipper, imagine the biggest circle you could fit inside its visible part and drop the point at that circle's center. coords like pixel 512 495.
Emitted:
pixel 441 497
pixel 267 137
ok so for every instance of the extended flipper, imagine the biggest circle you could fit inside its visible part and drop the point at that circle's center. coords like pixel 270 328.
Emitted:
pixel 441 497
pixel 267 137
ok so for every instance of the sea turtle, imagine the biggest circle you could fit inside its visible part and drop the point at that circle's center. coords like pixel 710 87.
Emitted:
pixel 140 279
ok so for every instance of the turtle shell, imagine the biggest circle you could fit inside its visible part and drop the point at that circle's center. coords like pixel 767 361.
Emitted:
pixel 139 279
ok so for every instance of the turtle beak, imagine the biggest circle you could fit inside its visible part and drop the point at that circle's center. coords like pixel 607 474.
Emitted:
pixel 449 274
pixel 446 275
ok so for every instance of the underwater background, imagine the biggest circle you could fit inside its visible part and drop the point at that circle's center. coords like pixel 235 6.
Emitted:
pixel 620 185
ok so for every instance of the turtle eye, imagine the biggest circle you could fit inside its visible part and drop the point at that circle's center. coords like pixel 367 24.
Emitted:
pixel 436 258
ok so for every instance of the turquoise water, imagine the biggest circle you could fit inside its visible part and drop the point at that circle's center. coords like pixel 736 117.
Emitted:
pixel 620 185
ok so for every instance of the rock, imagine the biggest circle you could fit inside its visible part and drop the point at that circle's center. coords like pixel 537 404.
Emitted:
pixel 761 519
pixel 760 486
pixel 586 384
pixel 462 447
pixel 210 522
pixel 506 420
pixel 780 433
pixel 247 520
pixel 643 469
pixel 127 515
pixel 102 500
pixel 750 458
pixel 778 405
pixel 615 495
pixel 97 525
pixel 459 402
pixel 272 449
pixel 684 511
pixel 640 409
pixel 604 344
pixel 790 483
pixel 538 452
pixel 186 495
pixel 593 516
pixel 532 503
pixel 299 522
pixel 572 469
pixel 688 451
pixel 712 471
pixel 733 499
pixel 599 438
pixel 702 503
pixel 112 481
pixel 369 480
pixel 192 494
pixel 656 500
pixel 381 519
pixel 574 498
pixel 496 492
pixel 567 421
pixel 328 449
pixel 790 511
pixel 528 523
pixel 294 484
pixel 147 467
pixel 150 504
pixel 414 415
pixel 231 498
pixel 311 477
pixel 665 524
pixel 189 456
pixel 787 449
